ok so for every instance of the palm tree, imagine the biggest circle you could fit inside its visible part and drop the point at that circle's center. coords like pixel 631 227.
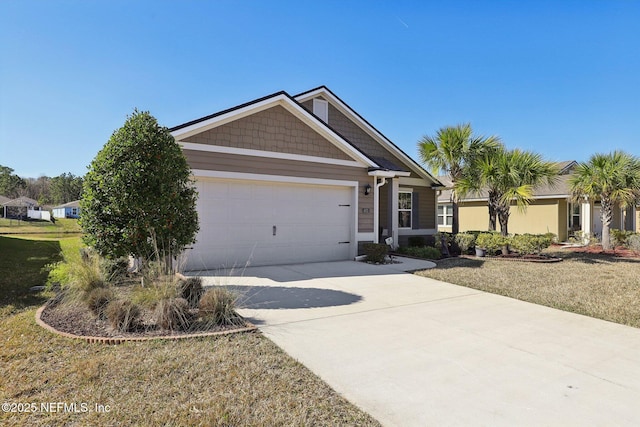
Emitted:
pixel 613 178
pixel 508 176
pixel 451 151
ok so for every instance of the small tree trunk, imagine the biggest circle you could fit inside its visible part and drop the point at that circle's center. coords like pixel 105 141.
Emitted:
pixel 606 214
pixel 503 217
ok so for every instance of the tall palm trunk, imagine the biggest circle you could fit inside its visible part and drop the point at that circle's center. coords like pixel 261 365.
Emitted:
pixel 503 218
pixel 606 215
pixel 493 210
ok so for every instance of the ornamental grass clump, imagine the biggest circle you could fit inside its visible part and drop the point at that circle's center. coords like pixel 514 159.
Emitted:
pixel 191 290
pixel 123 315
pixel 98 299
pixel 218 305
pixel 173 314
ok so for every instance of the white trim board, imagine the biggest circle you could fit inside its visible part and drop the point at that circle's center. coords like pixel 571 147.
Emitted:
pixel 268 154
pixel 201 173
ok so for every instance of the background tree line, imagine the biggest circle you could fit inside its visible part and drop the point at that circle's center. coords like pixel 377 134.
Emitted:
pixel 46 190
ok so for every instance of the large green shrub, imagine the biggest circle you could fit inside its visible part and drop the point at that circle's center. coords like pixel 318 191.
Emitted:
pixel 465 241
pixel 528 244
pixel 620 237
pixel 375 252
pixel 633 242
pixel 138 196
pixel 427 252
pixel 489 241
pixel 449 240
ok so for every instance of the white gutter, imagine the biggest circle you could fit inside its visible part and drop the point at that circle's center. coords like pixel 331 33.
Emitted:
pixel 388 174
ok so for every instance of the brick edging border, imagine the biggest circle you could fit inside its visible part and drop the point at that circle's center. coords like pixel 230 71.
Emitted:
pixel 120 340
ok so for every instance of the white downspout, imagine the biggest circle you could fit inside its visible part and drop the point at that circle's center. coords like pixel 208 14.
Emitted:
pixel 376 207
pixel 586 220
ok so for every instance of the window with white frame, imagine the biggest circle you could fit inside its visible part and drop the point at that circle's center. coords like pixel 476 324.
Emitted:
pixel 445 215
pixel 574 217
pixel 404 209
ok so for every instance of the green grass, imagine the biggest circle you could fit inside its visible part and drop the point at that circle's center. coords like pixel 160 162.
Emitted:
pixel 63 225
pixel 21 267
pixel 243 379
pixel 594 285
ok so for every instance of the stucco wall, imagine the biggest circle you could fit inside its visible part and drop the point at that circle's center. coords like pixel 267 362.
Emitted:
pixel 541 216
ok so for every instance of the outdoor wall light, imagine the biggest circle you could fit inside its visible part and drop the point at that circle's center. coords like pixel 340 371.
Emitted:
pixel 367 189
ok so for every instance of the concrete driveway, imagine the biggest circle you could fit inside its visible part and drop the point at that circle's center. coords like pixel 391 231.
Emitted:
pixel 412 351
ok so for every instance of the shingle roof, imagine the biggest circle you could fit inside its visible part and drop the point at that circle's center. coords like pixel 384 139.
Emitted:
pixel 4 200
pixel 21 201
pixel 561 189
pixel 74 204
pixel 388 164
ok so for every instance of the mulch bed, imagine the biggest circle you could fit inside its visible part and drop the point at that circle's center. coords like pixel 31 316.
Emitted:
pixel 78 320
pixel 597 249
pixel 517 257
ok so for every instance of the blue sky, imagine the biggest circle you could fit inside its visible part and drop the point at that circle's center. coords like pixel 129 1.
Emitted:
pixel 558 77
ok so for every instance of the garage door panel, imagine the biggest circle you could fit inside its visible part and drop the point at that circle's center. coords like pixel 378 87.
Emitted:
pixel 237 219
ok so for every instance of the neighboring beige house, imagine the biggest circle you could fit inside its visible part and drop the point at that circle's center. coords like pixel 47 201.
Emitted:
pixel 19 208
pixel 303 178
pixel 552 210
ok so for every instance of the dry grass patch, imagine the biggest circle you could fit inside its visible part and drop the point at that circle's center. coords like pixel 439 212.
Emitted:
pixel 591 284
pixel 239 380
pixel 242 379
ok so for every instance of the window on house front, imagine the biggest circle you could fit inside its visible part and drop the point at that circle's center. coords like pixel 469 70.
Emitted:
pixel 574 217
pixel 445 215
pixel 404 209
pixel 74 211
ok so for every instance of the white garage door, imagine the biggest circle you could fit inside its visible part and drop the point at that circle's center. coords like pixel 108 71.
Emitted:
pixel 267 223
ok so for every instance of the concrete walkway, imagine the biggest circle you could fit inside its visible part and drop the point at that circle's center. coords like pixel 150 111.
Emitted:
pixel 412 351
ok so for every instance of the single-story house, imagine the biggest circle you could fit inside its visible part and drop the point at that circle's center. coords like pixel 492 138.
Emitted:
pixel 304 178
pixel 552 210
pixel 19 208
pixel 67 210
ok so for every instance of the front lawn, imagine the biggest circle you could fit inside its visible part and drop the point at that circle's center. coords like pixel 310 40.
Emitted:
pixel 241 379
pixel 595 285
pixel 62 225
